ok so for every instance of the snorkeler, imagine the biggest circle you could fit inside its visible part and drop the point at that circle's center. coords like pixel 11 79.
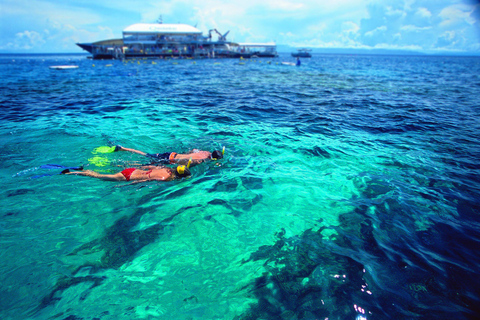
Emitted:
pixel 197 156
pixel 144 173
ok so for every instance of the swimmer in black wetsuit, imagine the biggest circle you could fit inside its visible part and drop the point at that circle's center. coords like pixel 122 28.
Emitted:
pixel 197 156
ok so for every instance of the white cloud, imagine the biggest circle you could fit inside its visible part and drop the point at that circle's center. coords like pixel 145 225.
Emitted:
pixel 398 47
pixel 375 31
pixel 448 35
pixel 395 12
pixel 59 37
pixel 287 35
pixel 423 12
pixel 448 40
pixel 242 30
pixel 413 28
pixel 456 14
pixel 28 39
pixel 284 5
pixel 350 27
pixel 408 5
pixel 42 10
pixel 25 40
pixel 317 29
pixel 339 5
pixel 318 43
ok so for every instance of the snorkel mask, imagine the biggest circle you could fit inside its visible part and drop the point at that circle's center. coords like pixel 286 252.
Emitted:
pixel 216 155
pixel 184 171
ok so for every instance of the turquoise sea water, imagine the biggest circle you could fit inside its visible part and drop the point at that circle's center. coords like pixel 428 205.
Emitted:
pixel 350 189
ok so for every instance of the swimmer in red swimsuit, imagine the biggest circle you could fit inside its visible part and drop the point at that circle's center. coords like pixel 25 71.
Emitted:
pixel 145 173
pixel 197 156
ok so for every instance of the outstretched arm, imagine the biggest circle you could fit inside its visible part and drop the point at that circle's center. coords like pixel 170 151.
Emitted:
pixel 108 177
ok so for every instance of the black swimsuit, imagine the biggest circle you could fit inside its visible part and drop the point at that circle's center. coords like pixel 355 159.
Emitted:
pixel 161 157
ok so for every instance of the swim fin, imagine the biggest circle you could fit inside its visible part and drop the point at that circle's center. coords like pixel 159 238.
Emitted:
pixel 99 161
pixel 55 166
pixel 59 166
pixel 106 149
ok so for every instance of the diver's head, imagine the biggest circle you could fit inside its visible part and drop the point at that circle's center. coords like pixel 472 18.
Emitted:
pixel 182 172
pixel 217 155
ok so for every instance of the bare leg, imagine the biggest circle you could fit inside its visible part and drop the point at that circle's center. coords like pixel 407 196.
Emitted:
pixel 133 151
pixel 108 177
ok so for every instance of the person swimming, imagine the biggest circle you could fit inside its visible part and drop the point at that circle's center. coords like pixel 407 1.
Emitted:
pixel 144 173
pixel 197 156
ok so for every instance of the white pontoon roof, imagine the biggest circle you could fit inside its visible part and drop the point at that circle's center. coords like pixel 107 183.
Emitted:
pixel 161 28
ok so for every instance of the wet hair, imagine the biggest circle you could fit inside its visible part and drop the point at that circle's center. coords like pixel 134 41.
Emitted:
pixel 217 154
pixel 181 172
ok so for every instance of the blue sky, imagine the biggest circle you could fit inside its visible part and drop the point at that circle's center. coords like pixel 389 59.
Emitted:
pixel 430 26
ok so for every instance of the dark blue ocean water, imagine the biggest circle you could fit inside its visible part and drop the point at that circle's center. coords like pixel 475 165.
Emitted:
pixel 350 189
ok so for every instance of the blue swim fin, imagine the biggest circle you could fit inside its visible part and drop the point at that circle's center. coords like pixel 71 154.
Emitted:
pixel 59 166
pixel 55 166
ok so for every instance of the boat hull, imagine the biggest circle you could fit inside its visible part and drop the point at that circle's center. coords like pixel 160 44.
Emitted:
pixel 301 55
pixel 100 53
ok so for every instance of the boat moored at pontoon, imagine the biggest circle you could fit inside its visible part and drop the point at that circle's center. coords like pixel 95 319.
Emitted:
pixel 160 40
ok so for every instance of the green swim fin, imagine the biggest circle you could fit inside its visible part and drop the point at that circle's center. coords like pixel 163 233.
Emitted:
pixel 105 149
pixel 99 161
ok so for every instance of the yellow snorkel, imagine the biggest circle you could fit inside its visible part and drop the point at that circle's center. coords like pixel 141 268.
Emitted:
pixel 223 151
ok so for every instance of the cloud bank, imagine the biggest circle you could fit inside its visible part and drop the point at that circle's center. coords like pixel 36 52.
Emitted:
pixel 421 25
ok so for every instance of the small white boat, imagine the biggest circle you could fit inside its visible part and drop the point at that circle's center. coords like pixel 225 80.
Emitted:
pixel 302 53
pixel 63 67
